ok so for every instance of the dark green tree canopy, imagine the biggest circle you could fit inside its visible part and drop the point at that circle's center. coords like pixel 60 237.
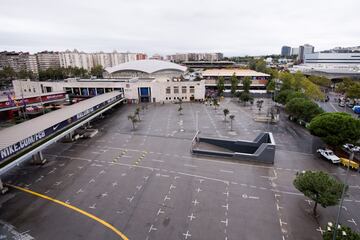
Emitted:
pixel 220 85
pixel 234 84
pixel 246 84
pixel 302 108
pixel 349 234
pixel 97 71
pixel 282 96
pixel 245 97
pixel 335 128
pixel 319 187
pixel 294 94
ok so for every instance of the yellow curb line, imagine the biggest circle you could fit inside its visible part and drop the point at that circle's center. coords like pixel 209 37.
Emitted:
pixel 106 224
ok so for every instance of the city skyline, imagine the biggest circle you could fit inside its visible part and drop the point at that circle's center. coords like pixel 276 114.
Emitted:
pixel 166 28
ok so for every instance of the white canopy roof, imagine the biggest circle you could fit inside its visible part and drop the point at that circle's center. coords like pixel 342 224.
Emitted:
pixel 147 66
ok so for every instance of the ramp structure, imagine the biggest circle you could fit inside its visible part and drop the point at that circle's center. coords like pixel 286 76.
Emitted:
pixel 262 149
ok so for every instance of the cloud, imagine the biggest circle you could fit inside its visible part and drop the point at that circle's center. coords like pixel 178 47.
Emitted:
pixel 166 26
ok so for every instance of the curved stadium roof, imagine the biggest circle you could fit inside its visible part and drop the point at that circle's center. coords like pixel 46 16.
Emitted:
pixel 147 66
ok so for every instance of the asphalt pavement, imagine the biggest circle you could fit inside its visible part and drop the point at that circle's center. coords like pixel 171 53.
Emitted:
pixel 147 185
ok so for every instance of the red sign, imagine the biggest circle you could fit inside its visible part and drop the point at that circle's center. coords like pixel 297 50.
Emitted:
pixel 31 100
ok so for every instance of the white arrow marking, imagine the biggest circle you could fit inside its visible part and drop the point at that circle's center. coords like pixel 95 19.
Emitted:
pixel 226 221
pixel 152 228
pixel 160 212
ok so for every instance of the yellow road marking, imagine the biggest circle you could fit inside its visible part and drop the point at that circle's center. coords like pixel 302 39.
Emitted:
pixel 106 224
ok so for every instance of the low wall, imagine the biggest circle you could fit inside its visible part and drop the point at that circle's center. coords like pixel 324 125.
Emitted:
pixel 262 149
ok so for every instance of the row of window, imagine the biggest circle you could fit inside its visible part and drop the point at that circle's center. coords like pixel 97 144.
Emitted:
pixel 176 89
pixel 174 98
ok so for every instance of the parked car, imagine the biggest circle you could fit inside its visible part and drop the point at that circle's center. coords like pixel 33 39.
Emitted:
pixel 328 155
pixel 350 105
pixel 341 104
pixel 351 147
pixel 346 162
pixel 356 109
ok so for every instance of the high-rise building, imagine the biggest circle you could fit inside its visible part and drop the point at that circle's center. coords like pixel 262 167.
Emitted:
pixel 75 59
pixel 184 57
pixel 294 51
pixel 285 51
pixel 305 49
pixel 31 64
pixel 15 60
pixel 47 59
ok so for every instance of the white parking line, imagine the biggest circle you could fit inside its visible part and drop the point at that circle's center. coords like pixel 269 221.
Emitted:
pixel 226 171
pixel 189 165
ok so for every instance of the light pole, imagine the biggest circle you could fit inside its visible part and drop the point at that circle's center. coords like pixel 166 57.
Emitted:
pixel 197 120
pixel 342 195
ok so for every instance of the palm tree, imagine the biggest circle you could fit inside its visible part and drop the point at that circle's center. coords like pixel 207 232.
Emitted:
pixel 226 112
pixel 137 112
pixel 215 103
pixel 180 109
pixel 133 120
pixel 231 121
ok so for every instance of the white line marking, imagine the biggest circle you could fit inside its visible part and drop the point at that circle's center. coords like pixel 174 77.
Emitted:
pixel 189 165
pixel 156 160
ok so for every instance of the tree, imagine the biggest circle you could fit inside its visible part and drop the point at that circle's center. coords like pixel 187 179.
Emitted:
pixel 298 79
pixel 303 109
pixel 245 97
pixel 226 112
pixel 137 112
pixel 343 233
pixel 259 104
pixel 283 95
pixel 293 94
pixel 220 85
pixel 97 71
pixel 133 120
pixel 246 84
pixel 344 85
pixel 215 103
pixel 231 121
pixel 270 87
pixel 312 90
pixel 320 81
pixel 287 80
pixel 335 128
pixel 23 74
pixel 353 91
pixel 8 73
pixel 319 187
pixel 180 109
pixel 234 84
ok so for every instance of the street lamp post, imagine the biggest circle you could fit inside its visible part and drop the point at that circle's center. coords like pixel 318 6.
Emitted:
pixel 342 196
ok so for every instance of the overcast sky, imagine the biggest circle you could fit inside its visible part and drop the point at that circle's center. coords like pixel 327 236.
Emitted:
pixel 234 27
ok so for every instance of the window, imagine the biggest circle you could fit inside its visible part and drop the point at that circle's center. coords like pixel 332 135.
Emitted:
pixel 176 89
pixel 168 90
pixel 192 89
pixel 183 89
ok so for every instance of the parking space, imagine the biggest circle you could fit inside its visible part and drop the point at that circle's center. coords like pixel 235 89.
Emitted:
pixel 147 184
